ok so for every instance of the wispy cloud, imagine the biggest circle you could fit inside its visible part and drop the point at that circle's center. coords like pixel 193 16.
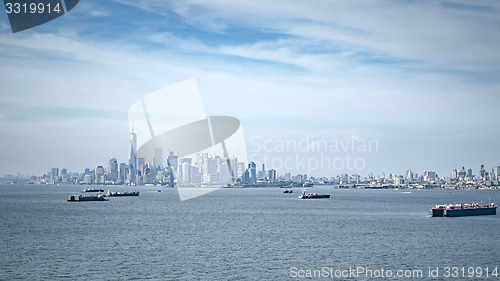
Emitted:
pixel 437 35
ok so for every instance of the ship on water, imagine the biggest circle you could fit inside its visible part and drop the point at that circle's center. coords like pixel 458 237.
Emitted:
pixel 84 198
pixel 126 193
pixel 92 190
pixel 288 191
pixel 313 195
pixel 460 210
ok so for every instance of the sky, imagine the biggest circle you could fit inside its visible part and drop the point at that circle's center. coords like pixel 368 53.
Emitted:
pixel 312 82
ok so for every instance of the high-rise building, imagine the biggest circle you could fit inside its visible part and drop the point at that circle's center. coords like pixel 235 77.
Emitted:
pixel 54 173
pixel 410 175
pixel 225 174
pixel 99 175
pixel 173 162
pixel 133 156
pixel 158 157
pixel 240 170
pixel 252 172
pixel 272 175
pixel 462 174
pixel 112 174
pixel 481 172
pixel 124 172
pixel 496 171
pixel 210 170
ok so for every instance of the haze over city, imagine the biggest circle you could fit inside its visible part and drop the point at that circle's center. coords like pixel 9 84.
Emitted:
pixel 421 80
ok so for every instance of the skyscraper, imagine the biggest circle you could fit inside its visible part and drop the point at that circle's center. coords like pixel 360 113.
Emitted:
pixel 253 171
pixel 496 172
pixel 124 171
pixel 133 156
pixel 158 157
pixel 99 175
pixel 112 170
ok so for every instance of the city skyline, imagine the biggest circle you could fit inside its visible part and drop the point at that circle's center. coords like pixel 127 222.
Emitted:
pixel 421 79
pixel 245 173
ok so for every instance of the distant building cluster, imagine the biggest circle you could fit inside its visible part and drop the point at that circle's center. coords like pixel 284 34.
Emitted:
pixel 459 179
pixel 206 169
pixel 212 169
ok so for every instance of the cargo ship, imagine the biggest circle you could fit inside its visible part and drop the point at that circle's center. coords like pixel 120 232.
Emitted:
pixel 460 210
pixel 126 193
pixel 287 191
pixel 83 198
pixel 313 195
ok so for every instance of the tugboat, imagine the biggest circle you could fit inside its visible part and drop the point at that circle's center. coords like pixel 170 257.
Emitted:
pixel 287 191
pixel 460 210
pixel 313 195
pixel 83 198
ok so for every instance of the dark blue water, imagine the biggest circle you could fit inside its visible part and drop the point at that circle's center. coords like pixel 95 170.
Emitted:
pixel 238 234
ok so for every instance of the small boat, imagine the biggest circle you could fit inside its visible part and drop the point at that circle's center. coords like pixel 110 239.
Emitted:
pixel 287 191
pixel 118 194
pixel 159 190
pixel 83 198
pixel 92 190
pixel 313 195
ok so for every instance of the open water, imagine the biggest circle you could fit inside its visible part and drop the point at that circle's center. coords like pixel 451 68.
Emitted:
pixel 241 234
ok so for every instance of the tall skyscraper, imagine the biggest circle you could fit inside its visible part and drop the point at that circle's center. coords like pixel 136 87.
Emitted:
pixel 496 171
pixel 240 170
pixel 462 174
pixel 99 175
pixel 133 156
pixel 253 171
pixel 124 172
pixel 469 173
pixel 158 157
pixel 113 170
pixel 54 173
pixel 481 172
pixel 409 175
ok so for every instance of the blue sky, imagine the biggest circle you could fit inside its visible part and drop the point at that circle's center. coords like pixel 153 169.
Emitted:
pixel 420 77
